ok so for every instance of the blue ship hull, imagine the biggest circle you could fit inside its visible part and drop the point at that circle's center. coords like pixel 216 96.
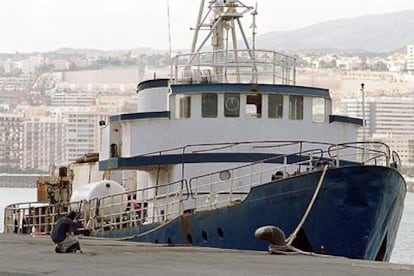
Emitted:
pixel 356 215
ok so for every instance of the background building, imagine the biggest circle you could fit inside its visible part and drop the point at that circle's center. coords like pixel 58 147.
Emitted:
pixel 11 137
pixel 410 58
pixel 69 97
pixel 82 133
pixel 43 143
pixel 389 120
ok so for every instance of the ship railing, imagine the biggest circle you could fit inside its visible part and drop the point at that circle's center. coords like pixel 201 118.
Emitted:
pixel 354 153
pixel 227 186
pixel 32 217
pixel 271 145
pixel 376 153
pixel 132 208
pixel 231 186
pixel 235 66
pixel 366 153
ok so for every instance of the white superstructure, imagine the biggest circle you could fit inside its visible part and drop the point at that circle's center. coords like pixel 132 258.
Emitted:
pixel 228 94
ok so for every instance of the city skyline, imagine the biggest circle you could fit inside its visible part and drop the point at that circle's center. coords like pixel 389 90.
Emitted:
pixel 31 26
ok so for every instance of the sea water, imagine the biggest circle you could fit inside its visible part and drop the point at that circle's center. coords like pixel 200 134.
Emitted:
pixel 403 250
pixel 404 245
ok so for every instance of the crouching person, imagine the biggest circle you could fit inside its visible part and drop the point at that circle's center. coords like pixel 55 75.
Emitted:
pixel 63 235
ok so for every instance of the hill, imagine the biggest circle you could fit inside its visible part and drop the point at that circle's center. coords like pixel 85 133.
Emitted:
pixel 372 33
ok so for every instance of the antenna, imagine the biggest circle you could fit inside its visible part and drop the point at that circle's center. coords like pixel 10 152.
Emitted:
pixel 363 111
pixel 169 39
pixel 363 121
pixel 254 27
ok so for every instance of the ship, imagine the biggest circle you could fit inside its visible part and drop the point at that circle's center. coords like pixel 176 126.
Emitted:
pixel 229 152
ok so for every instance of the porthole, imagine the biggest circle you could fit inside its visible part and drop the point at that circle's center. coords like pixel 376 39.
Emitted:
pixel 224 175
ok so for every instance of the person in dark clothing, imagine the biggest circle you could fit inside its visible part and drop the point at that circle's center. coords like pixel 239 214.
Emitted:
pixel 63 235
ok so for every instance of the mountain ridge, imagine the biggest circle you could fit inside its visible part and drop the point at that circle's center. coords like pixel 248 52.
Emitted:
pixel 377 33
pixel 370 33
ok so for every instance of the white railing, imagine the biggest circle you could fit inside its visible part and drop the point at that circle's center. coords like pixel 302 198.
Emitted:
pixel 212 190
pixel 367 153
pixel 32 217
pixel 133 208
pixel 209 191
pixel 235 66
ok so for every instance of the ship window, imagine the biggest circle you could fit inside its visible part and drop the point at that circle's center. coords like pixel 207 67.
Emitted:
pixel 232 105
pixel 185 107
pixel 296 107
pixel 318 110
pixel 275 106
pixel 209 105
pixel 254 105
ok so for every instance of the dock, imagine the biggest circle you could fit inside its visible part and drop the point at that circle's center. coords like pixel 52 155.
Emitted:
pixel 27 255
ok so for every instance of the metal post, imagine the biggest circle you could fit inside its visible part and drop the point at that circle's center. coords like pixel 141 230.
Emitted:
pixel 198 26
pixel 363 122
pixel 254 27
pixel 363 111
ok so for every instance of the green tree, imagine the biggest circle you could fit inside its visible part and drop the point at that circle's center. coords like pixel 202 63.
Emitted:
pixel 380 66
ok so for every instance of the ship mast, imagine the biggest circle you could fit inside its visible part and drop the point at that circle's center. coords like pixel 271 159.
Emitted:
pixel 222 19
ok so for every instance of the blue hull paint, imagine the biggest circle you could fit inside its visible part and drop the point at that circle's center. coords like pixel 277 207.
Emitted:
pixel 356 210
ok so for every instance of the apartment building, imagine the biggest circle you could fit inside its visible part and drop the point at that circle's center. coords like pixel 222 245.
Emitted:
pixel 15 84
pixel 43 143
pixel 69 97
pixel 11 136
pixel 31 64
pixel 388 119
pixel 82 132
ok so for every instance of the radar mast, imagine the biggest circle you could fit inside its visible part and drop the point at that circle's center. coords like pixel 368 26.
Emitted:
pixel 221 20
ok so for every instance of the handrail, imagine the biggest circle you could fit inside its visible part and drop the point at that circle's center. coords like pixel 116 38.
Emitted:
pixel 262 161
pixel 276 143
pixel 203 67
pixel 196 193
pixel 30 217
pixel 228 192
pixel 366 152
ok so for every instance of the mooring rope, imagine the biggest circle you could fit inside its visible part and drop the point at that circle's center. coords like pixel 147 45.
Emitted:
pixel 288 249
pixel 131 236
pixel 292 236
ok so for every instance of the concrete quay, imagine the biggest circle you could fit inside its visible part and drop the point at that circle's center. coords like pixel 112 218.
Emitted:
pixel 26 255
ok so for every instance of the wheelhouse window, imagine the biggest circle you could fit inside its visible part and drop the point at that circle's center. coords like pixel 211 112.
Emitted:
pixel 209 105
pixel 275 106
pixel 318 110
pixel 231 105
pixel 185 107
pixel 254 105
pixel 296 107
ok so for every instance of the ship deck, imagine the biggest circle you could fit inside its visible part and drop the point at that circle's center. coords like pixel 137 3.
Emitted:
pixel 26 255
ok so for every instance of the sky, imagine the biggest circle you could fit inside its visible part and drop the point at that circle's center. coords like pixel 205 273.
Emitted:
pixel 46 25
